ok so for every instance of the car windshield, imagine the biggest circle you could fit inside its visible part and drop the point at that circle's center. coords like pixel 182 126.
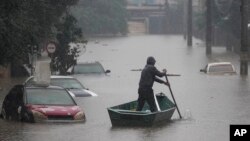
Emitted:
pixel 88 68
pixel 68 83
pixel 47 96
pixel 221 68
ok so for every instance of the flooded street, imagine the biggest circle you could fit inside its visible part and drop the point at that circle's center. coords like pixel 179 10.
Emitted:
pixel 208 103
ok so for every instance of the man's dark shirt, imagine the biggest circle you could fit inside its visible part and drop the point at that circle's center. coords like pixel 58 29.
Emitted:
pixel 148 76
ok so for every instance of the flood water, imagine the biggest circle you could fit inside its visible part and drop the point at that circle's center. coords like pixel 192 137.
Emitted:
pixel 208 103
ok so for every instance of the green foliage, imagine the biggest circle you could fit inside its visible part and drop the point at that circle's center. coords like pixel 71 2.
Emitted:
pixel 229 22
pixel 25 23
pixel 65 55
pixel 101 16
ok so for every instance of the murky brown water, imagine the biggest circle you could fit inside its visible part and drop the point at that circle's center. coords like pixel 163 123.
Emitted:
pixel 208 103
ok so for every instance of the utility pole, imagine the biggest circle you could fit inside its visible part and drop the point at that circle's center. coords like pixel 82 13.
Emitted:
pixel 244 47
pixel 209 27
pixel 185 19
pixel 189 23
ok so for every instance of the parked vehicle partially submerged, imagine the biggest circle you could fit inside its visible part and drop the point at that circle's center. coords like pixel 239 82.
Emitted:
pixel 219 68
pixel 39 104
pixel 68 82
pixel 88 68
pixel 126 114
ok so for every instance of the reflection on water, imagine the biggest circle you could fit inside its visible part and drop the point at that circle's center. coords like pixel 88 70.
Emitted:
pixel 208 103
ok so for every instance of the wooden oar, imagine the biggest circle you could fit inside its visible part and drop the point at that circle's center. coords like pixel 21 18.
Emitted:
pixel 172 96
pixel 173 75
pixel 167 74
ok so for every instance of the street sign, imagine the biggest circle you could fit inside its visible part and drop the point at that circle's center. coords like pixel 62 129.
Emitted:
pixel 51 47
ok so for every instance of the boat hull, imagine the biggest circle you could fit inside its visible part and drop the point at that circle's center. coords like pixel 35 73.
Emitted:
pixel 126 115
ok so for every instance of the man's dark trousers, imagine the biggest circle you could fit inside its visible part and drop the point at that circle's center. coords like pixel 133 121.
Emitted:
pixel 146 95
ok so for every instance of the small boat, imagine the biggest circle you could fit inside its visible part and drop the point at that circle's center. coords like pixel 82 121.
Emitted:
pixel 126 114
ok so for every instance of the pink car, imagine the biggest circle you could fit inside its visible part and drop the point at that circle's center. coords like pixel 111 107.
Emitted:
pixel 38 104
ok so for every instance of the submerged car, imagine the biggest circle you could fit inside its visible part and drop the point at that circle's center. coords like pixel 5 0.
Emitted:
pixel 88 68
pixel 219 68
pixel 68 82
pixel 38 104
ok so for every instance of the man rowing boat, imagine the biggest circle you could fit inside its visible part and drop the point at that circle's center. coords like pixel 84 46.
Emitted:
pixel 148 76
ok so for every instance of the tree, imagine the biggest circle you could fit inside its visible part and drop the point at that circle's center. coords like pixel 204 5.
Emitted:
pixel 24 24
pixel 228 22
pixel 65 56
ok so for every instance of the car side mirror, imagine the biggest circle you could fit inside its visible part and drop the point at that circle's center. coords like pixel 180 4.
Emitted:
pixel 107 71
pixel 72 94
pixel 203 70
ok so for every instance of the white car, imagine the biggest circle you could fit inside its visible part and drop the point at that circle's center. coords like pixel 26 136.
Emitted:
pixel 219 68
pixel 68 82
pixel 88 68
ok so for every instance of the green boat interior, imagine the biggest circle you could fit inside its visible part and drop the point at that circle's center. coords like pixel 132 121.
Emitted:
pixel 130 107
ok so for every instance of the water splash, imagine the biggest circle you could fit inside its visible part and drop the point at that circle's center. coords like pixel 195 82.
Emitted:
pixel 187 114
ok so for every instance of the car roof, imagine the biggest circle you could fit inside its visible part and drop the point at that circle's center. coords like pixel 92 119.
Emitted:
pixel 83 63
pixel 60 76
pixel 47 87
pixel 219 63
pixel 56 76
